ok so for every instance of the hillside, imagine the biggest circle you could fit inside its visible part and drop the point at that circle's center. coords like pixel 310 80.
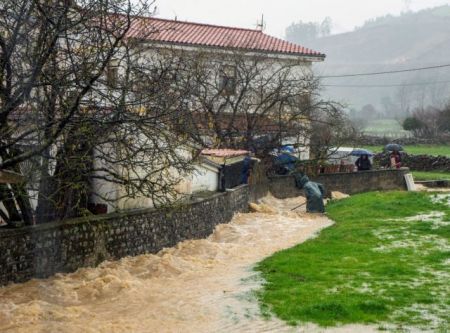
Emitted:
pixel 390 43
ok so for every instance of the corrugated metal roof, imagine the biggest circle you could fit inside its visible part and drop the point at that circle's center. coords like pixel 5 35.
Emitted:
pixel 198 34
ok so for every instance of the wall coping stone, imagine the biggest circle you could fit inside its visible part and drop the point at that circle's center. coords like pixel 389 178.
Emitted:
pixel 29 229
pixel 283 186
pixel 345 173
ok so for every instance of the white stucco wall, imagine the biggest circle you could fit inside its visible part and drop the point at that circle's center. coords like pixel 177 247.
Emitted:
pixel 104 192
pixel 205 178
pixel 117 196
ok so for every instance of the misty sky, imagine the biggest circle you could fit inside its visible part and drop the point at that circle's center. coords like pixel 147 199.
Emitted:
pixel 278 14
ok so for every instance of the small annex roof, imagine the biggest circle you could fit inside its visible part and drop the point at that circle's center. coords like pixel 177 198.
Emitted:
pixel 207 35
pixel 224 152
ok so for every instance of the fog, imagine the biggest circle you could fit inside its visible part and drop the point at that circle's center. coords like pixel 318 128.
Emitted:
pixel 346 14
pixel 362 36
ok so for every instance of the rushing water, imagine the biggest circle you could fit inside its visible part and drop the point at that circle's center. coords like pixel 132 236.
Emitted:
pixel 198 286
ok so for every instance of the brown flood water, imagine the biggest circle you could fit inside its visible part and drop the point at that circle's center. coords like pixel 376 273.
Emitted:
pixel 197 286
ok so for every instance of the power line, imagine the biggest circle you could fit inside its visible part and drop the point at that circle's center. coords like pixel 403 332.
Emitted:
pixel 384 85
pixel 386 72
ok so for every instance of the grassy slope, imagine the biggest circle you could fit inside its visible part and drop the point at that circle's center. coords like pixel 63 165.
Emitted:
pixel 431 175
pixel 435 150
pixel 407 41
pixel 384 126
pixel 354 273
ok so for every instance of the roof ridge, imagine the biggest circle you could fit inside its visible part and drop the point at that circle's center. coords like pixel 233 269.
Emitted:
pixel 198 23
pixel 192 33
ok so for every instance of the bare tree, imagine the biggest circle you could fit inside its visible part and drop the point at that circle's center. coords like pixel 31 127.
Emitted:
pixel 69 115
pixel 330 130
pixel 238 98
pixel 257 102
pixel 403 98
pixel 52 54
pixel 430 122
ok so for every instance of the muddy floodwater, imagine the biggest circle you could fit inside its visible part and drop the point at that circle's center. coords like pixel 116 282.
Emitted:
pixel 198 286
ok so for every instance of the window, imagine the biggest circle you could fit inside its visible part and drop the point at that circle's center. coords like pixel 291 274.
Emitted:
pixel 112 75
pixel 71 95
pixel 140 81
pixel 228 80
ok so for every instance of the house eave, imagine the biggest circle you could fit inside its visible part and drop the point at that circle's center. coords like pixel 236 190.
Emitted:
pixel 230 50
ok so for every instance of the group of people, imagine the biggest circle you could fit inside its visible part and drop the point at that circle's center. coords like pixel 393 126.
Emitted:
pixel 315 192
pixel 363 162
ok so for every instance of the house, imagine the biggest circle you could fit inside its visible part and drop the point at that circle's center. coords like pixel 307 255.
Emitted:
pixel 218 47
pixel 222 50
pixel 227 53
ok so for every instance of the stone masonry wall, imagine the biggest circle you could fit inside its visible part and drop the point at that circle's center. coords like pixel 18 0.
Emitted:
pixel 43 250
pixel 368 140
pixel 350 183
pixel 418 162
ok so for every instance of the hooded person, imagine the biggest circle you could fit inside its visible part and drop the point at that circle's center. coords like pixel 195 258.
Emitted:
pixel 314 193
pixel 363 163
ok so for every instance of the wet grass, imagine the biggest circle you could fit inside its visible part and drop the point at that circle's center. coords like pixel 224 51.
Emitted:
pixel 375 265
pixel 382 126
pixel 431 175
pixel 434 150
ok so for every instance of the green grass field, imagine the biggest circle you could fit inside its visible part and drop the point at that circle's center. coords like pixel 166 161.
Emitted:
pixel 431 175
pixel 381 263
pixel 384 126
pixel 435 150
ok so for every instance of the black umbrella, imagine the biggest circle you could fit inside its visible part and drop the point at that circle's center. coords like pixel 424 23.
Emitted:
pixel 360 152
pixel 393 146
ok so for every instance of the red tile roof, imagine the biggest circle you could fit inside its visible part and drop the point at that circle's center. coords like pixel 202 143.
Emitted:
pixel 224 152
pixel 198 34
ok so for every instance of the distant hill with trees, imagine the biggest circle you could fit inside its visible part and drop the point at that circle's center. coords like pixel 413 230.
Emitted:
pixel 411 40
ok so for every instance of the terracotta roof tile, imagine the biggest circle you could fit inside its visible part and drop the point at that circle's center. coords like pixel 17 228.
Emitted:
pixel 198 34
pixel 224 152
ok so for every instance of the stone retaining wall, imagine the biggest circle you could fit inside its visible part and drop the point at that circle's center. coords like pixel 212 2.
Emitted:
pixel 418 162
pixel 350 183
pixel 368 140
pixel 43 250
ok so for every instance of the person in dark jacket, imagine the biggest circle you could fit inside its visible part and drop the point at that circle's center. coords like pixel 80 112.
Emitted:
pixel 246 169
pixel 363 163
